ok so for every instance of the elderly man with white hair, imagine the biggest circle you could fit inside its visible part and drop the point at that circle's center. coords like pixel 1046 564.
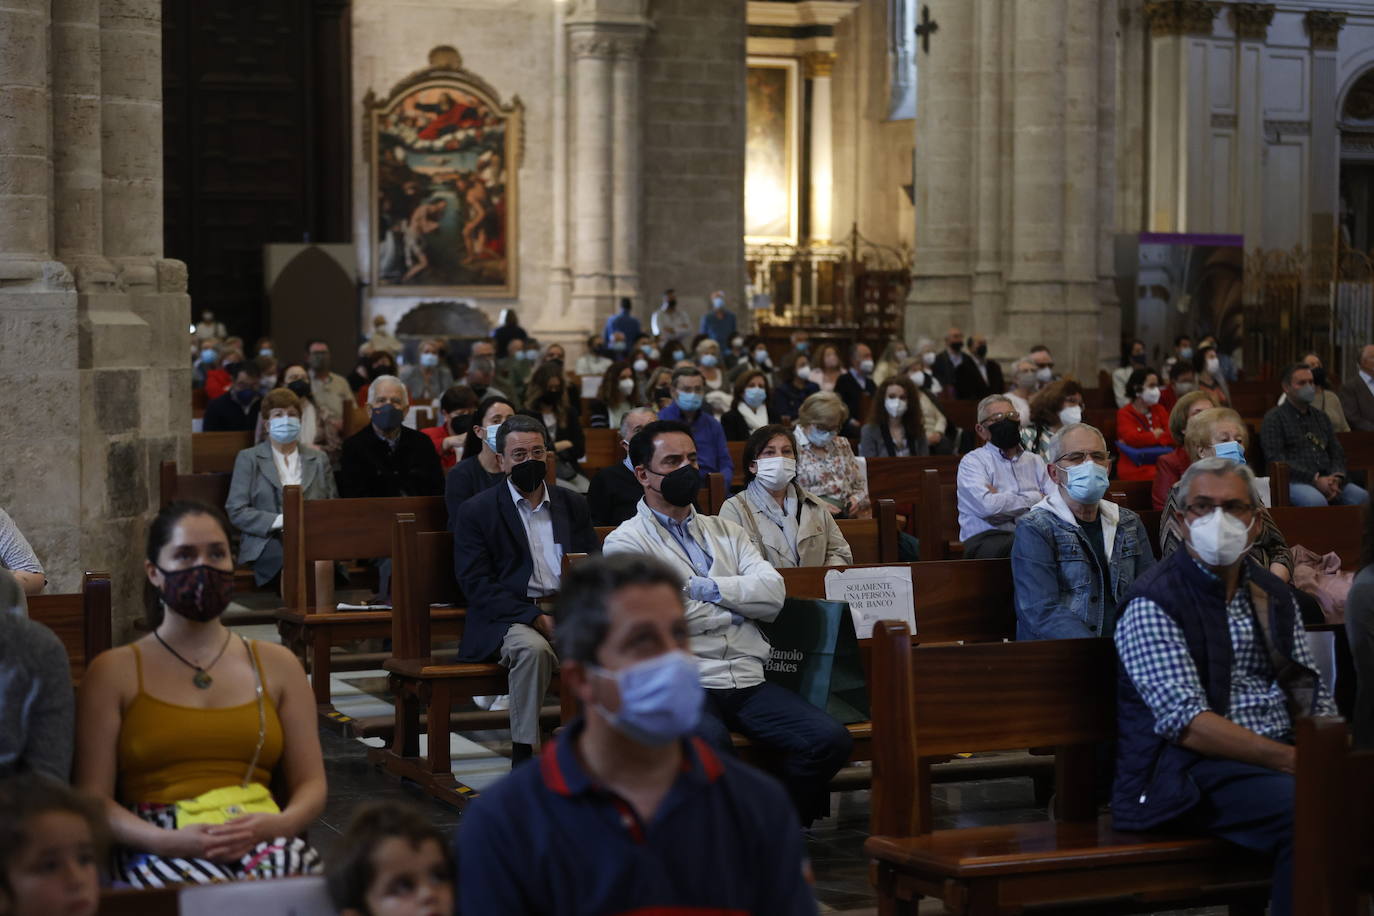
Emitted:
pixel 1214 669
pixel 1075 555
pixel 386 458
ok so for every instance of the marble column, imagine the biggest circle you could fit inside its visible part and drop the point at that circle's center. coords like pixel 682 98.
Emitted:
pixel 625 167
pixel 1324 27
pixel 560 270
pixel 590 220
pixel 820 65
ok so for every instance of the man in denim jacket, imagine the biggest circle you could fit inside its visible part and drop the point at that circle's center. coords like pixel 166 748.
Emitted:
pixel 1075 555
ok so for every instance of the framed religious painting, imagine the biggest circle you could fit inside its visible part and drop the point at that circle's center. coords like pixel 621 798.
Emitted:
pixel 443 152
pixel 772 137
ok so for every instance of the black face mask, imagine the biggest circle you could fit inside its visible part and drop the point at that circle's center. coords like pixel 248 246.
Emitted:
pixel 680 487
pixel 663 392
pixel 1005 434
pixel 528 475
pixel 383 369
pixel 957 346
pixel 460 423
pixel 300 388
pixel 552 397
pixel 980 351
pixel 1319 376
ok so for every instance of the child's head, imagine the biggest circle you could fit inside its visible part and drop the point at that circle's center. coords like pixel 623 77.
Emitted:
pixel 392 862
pixel 50 847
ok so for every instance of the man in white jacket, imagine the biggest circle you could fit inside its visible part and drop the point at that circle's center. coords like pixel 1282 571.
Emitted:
pixel 729 587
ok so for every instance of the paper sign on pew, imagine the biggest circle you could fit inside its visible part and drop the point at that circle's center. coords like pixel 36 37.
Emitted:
pixel 874 593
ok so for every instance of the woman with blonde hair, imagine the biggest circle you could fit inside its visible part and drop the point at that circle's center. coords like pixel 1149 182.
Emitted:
pixel 1169 469
pixel 826 465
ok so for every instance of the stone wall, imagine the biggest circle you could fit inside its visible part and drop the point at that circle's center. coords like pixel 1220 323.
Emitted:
pixel 92 319
pixel 693 130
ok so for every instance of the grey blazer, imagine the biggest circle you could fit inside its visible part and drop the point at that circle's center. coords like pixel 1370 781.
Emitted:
pixel 255 500
pixel 1358 403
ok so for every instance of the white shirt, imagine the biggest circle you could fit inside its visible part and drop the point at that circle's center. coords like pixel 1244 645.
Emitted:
pixel 1021 482
pixel 545 553
pixel 288 467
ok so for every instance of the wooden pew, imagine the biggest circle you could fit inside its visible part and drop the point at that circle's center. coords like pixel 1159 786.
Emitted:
pixel 337 529
pixel 422 575
pixel 1137 494
pixel 1333 835
pixel 1104 418
pixel 901 480
pixel 215 452
pixel 736 450
pixel 81 621
pixel 873 540
pixel 1325 529
pixel 933 701
pixel 157 901
pixel 602 450
pixel 1279 479
pixel 1359 448
pixel 937 517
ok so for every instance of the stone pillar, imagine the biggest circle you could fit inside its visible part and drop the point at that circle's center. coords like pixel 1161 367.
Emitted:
pixel 25 153
pixel 1251 23
pixel 625 148
pixel 591 181
pixel 1324 27
pixel 131 126
pixel 560 271
pixel 819 67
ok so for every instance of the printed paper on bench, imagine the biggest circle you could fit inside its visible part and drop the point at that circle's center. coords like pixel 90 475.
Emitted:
pixel 873 594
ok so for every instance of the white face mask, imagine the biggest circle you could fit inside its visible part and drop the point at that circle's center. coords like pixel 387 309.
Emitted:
pixel 866 366
pixel 1150 396
pixel 775 473
pixel 918 378
pixel 627 386
pixel 1213 365
pixel 928 358
pixel 1071 414
pixel 896 407
pixel 804 373
pixel 1219 539
pixel 640 366
pixel 1044 374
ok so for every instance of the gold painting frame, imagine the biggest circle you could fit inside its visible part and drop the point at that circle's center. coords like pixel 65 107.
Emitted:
pixel 443 154
pixel 772 151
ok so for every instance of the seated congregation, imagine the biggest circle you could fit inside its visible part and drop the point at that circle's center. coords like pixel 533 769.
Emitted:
pixel 634 554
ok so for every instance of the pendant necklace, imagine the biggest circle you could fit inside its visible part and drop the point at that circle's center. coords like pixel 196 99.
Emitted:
pixel 202 677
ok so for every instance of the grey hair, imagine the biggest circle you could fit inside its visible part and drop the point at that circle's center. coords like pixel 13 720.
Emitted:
pixel 482 364
pixel 519 423
pixel 377 382
pixel 1054 449
pixel 628 420
pixel 988 401
pixel 12 598
pixel 583 608
pixel 1218 467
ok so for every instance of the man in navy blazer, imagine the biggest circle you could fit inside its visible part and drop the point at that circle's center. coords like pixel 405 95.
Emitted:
pixel 508 547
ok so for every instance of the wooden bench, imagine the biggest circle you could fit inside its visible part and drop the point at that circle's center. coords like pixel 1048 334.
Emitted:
pixel 215 452
pixel 1325 529
pixel 902 481
pixel 937 519
pixel 1137 494
pixel 337 529
pixel 1359 448
pixel 932 701
pixel 602 450
pixel 736 450
pixel 422 575
pixel 81 621
pixel 1333 835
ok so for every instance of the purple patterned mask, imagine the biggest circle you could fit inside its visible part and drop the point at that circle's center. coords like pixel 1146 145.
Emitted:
pixel 200 593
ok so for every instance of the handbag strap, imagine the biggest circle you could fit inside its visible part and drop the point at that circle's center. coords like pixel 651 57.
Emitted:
pixel 262 712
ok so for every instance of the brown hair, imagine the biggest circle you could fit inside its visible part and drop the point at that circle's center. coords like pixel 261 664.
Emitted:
pixel 609 391
pixel 1045 406
pixel 350 870
pixel 742 383
pixel 280 397
pixel 28 795
pixel 912 422
pixel 758 440
pixel 1203 427
pixel 1178 417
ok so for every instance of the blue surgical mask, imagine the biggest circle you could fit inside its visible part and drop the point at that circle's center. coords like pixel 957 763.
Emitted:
pixel 819 437
pixel 618 345
pixel 755 396
pixel 1232 450
pixel 265 351
pixel 208 355
pixel 689 400
pixel 1086 482
pixel 760 357
pixel 660 698
pixel 717 302
pixel 708 360
pixel 429 360
pixel 804 346
pixel 1185 353
pixel 491 436
pixel 678 355
pixel 284 429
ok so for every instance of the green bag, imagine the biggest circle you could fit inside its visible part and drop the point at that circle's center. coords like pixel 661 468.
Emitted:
pixel 816 654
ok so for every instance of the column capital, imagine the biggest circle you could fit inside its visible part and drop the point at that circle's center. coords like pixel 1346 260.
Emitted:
pixel 1324 28
pixel 1252 20
pixel 1181 17
pixel 818 64
pixel 588 42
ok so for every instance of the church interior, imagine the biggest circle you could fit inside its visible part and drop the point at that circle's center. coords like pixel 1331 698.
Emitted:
pixel 1039 215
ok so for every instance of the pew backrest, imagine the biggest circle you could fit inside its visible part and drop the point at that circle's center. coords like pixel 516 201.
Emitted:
pixel 421 575
pixel 873 540
pixel 937 701
pixel 1333 850
pixel 602 450
pixel 899 479
pixel 215 452
pixel 342 529
pixel 1325 529
pixel 81 620
pixel 211 488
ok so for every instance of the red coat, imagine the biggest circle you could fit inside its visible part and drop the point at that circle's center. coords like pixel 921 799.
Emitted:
pixel 217 381
pixel 1168 471
pixel 437 435
pixel 1138 432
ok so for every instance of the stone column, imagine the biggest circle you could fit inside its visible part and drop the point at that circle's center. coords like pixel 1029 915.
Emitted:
pixel 625 150
pixel 131 126
pixel 1324 27
pixel 819 67
pixel 591 180
pixel 1251 22
pixel 560 272
pixel 25 153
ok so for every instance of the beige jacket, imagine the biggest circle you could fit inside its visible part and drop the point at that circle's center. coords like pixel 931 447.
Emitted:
pixel 819 541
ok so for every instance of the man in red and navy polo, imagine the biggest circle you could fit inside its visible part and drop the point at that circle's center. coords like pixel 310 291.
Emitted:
pixel 628 812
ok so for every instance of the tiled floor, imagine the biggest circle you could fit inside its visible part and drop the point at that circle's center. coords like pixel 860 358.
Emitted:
pixel 835 844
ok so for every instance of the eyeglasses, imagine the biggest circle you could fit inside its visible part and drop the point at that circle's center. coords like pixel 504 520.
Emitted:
pixel 521 455
pixel 999 417
pixel 1075 458
pixel 1236 508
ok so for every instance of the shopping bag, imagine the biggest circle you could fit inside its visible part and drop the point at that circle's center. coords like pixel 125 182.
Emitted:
pixel 816 655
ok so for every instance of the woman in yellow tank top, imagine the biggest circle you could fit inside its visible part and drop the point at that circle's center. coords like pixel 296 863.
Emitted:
pixel 177 714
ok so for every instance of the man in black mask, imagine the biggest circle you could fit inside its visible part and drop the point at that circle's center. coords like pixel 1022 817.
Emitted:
pixel 976 376
pixel 508 548
pixel 729 588
pixel 998 483
pixel 387 458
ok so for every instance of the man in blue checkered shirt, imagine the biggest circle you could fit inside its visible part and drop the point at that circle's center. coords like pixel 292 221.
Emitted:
pixel 1214 668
